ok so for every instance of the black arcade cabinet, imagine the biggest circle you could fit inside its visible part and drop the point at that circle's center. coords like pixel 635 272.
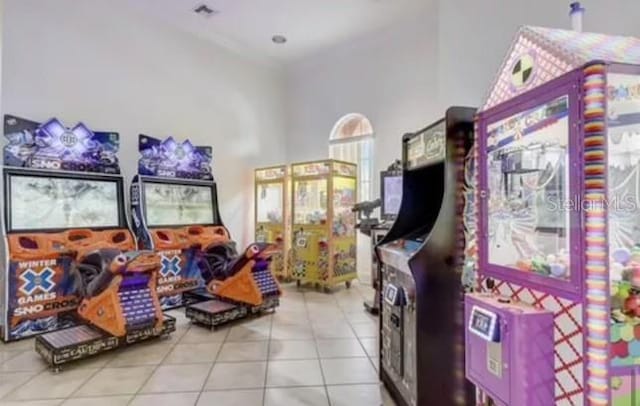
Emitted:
pixel 421 336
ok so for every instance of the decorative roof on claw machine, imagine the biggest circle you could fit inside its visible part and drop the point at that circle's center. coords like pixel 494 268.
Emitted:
pixel 539 55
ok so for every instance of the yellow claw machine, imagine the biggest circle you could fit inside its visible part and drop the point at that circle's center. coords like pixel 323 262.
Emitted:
pixel 272 217
pixel 323 229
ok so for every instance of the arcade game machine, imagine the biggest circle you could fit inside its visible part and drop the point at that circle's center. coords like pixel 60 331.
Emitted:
pixel 174 211
pixel 391 191
pixel 554 319
pixel 323 229
pixel 421 355
pixel 71 273
pixel 272 217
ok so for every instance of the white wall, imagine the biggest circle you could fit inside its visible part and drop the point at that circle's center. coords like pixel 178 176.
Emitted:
pixel 99 62
pixel 389 76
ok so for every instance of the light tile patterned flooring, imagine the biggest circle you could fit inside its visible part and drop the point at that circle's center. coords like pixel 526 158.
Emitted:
pixel 316 350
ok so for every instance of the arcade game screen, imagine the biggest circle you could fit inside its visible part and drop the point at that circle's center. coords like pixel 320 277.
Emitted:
pixel 175 204
pixel 39 203
pixel 270 203
pixel 392 195
pixel 310 201
pixel 528 190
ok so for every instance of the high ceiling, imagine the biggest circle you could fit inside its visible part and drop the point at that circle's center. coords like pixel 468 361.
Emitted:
pixel 247 26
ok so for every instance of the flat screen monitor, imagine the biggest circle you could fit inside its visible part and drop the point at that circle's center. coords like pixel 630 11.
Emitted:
pixel 391 195
pixel 170 204
pixel 45 202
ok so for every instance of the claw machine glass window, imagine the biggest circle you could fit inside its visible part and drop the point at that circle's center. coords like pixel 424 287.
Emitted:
pixel 344 198
pixel 529 204
pixel 270 203
pixel 311 201
pixel 623 207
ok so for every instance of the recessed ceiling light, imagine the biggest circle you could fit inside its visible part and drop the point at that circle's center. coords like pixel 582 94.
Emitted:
pixel 205 10
pixel 279 39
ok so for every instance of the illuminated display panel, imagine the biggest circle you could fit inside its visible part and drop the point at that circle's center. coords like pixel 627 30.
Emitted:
pixel 392 195
pixel 178 204
pixel 46 202
pixel 484 323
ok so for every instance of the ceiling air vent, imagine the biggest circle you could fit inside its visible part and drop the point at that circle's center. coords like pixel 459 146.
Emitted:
pixel 205 10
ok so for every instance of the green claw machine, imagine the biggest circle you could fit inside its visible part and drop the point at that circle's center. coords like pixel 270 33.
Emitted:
pixel 272 215
pixel 323 229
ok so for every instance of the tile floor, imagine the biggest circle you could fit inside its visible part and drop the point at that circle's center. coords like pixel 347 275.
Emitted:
pixel 315 350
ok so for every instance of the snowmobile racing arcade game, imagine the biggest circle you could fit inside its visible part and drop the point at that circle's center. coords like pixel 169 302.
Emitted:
pixel 175 212
pixel 72 275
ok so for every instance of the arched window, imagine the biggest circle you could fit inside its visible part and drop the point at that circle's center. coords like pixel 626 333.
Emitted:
pixel 352 141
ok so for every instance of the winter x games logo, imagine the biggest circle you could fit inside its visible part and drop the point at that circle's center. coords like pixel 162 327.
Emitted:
pixel 37 290
pixel 170 280
pixel 170 266
pixel 33 281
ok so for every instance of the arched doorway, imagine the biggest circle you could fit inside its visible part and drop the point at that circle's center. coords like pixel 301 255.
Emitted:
pixel 352 140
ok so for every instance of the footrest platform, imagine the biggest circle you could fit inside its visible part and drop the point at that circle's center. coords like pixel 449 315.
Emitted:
pixel 84 341
pixel 213 313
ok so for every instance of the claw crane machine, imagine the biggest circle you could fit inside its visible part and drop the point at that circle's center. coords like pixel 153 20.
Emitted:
pixel 272 217
pixel 555 316
pixel 323 224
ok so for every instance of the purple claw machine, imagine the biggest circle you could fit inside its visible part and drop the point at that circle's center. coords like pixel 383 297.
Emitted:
pixel 555 316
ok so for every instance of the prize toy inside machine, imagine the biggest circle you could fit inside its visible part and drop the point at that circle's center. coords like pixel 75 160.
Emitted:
pixel 175 213
pixel 557 225
pixel 323 225
pixel 69 246
pixel 422 261
pixel 389 204
pixel 272 215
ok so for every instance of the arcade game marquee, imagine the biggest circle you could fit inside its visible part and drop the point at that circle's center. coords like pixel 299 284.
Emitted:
pixel 175 212
pixel 555 319
pixel 272 215
pixel 421 332
pixel 323 229
pixel 71 272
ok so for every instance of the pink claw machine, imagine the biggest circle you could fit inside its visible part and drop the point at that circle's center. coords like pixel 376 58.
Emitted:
pixel 554 318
